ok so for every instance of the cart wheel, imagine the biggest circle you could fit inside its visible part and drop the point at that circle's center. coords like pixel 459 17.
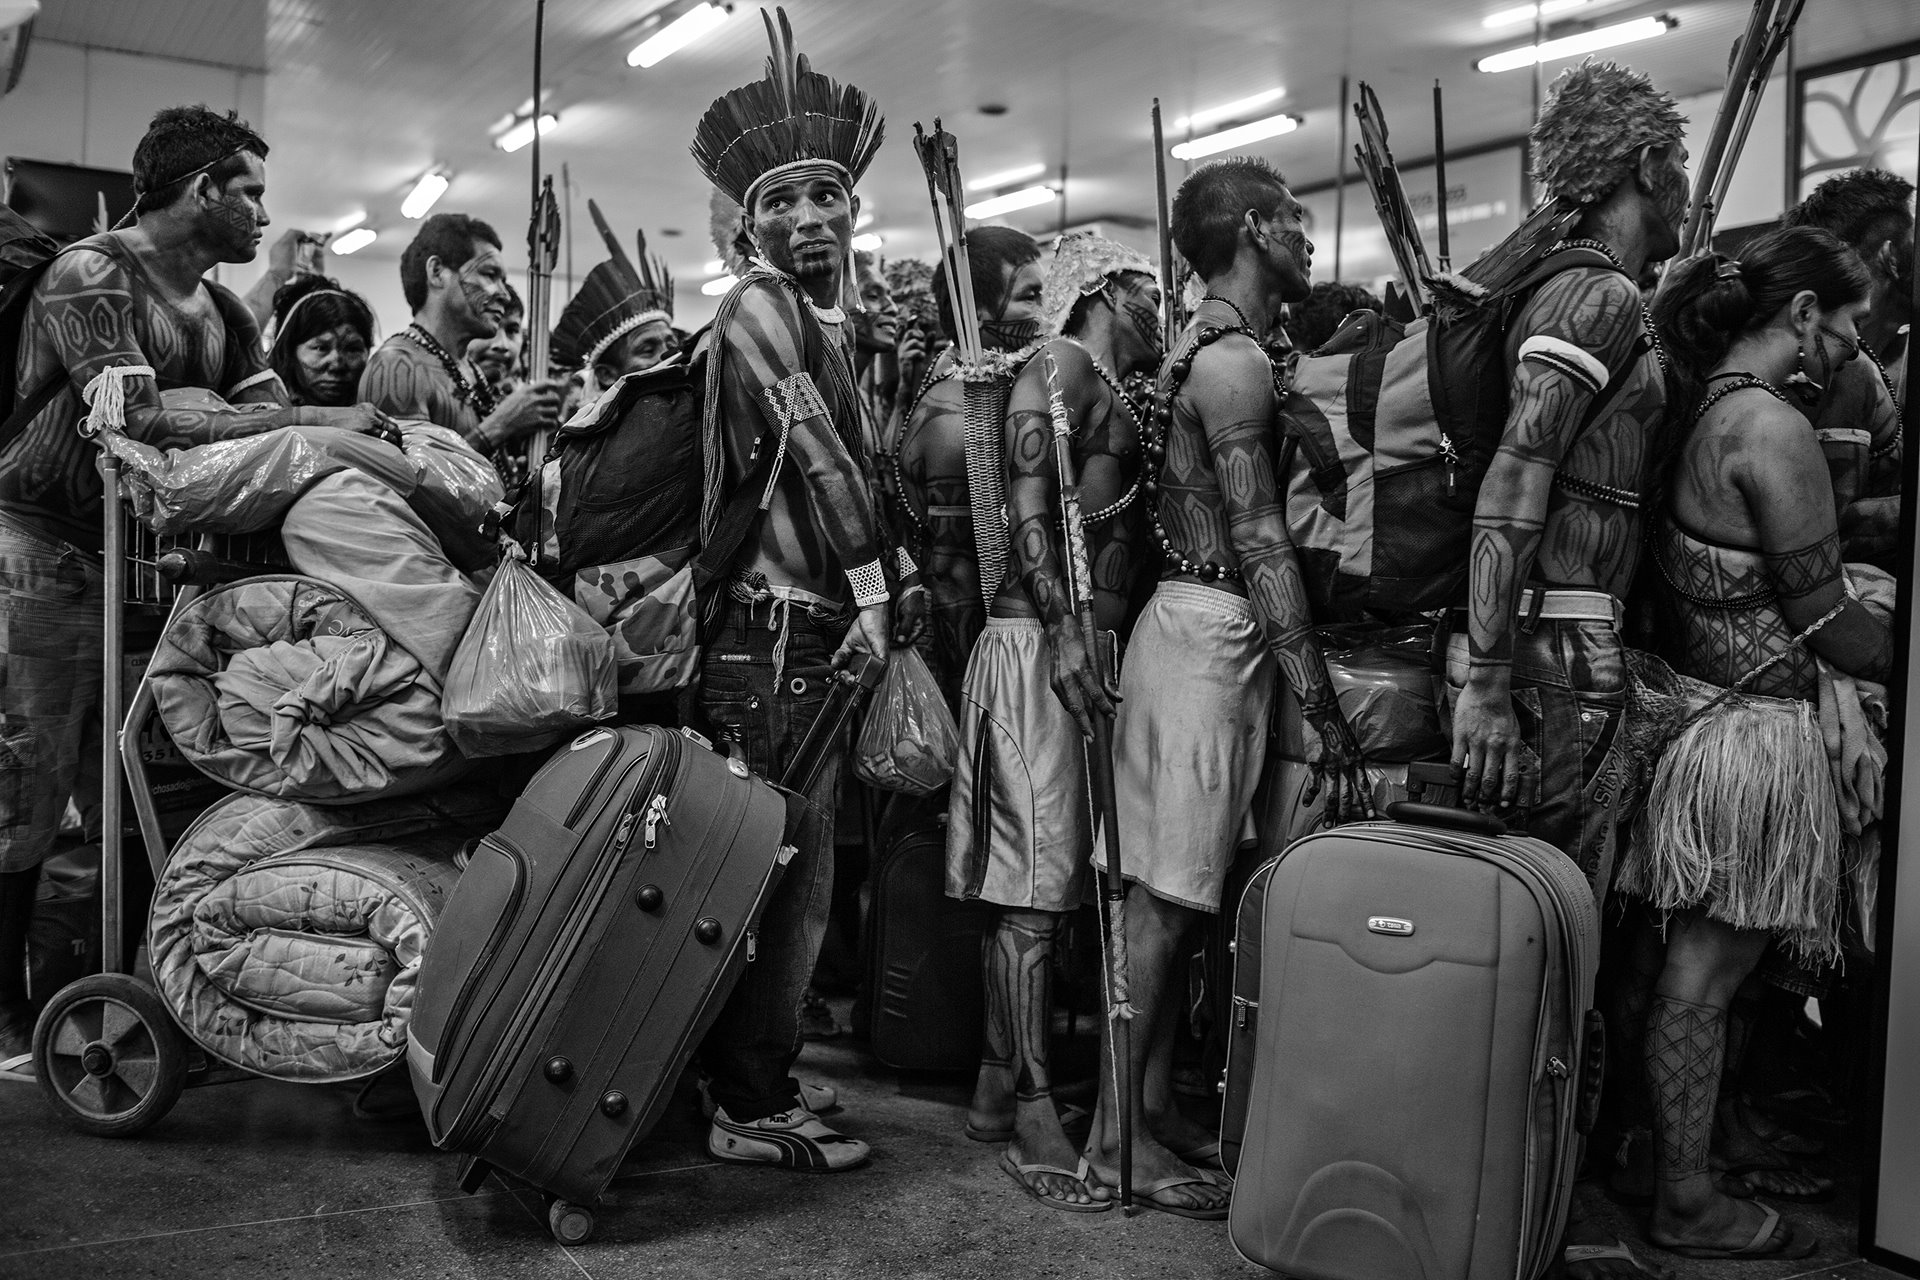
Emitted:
pixel 570 1223
pixel 108 1055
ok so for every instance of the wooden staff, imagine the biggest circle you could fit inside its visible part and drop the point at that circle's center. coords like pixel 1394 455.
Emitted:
pixel 1440 177
pixel 543 247
pixel 1170 318
pixel 939 154
pixel 1749 64
pixel 1120 1010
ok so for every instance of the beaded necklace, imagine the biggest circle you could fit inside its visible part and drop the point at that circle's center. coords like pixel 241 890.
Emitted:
pixel 1899 419
pixel 478 394
pixel 1741 382
pixel 1156 437
pixel 1125 500
pixel 1605 250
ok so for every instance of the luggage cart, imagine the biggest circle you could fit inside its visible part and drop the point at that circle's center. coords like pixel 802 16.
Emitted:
pixel 107 1050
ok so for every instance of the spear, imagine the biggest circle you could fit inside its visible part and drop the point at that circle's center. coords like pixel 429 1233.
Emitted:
pixel 1170 317
pixel 1440 176
pixel 1100 761
pixel 1390 196
pixel 543 243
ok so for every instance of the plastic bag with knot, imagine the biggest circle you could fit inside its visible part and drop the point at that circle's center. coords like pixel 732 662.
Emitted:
pixel 910 742
pixel 531 669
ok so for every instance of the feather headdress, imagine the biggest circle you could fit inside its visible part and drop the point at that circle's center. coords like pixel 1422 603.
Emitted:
pixel 616 298
pixel 1597 118
pixel 793 117
pixel 1082 264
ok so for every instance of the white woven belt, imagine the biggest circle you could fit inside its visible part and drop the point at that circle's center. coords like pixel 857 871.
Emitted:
pixel 1566 605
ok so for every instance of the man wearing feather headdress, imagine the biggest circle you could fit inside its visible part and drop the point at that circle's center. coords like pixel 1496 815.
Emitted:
pixel 810 586
pixel 621 319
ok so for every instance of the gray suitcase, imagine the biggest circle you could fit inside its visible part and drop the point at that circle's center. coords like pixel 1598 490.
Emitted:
pixel 1413 1049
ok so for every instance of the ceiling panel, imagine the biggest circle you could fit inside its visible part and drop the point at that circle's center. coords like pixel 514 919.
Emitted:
pixel 228 33
pixel 364 95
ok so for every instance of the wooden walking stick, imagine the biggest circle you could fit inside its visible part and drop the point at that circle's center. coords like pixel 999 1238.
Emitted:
pixel 1172 321
pixel 1120 1009
pixel 543 249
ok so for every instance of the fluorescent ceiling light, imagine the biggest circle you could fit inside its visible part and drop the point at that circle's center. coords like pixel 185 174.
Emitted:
pixel 718 285
pixel 432 185
pixel 868 243
pixel 1580 42
pixel 522 133
pixel 351 221
pixel 677 35
pixel 1229 110
pixel 713 267
pixel 1008 178
pixel 354 241
pixel 1528 12
pixel 1238 136
pixel 1024 199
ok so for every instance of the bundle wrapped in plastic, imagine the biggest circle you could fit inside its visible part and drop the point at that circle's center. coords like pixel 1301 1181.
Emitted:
pixel 910 742
pixel 1383 677
pixel 532 669
pixel 245 485
pixel 457 491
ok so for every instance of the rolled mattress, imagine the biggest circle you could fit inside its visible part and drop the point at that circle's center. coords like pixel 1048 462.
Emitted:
pixel 287 937
pixel 285 686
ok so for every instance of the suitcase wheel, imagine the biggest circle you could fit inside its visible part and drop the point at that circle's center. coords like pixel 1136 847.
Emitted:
pixel 108 1055
pixel 570 1223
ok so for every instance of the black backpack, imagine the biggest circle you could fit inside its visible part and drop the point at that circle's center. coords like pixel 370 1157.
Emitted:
pixel 25 254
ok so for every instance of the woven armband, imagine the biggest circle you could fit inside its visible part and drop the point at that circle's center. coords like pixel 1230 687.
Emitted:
pixel 903 563
pixel 1853 436
pixel 869 582
pixel 265 375
pixel 795 399
pixel 1557 353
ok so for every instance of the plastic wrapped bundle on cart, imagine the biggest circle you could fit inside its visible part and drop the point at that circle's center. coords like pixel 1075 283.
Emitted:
pixel 286 937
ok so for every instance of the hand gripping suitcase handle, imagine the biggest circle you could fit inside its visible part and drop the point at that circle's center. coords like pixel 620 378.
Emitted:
pixel 1415 809
pixel 847 689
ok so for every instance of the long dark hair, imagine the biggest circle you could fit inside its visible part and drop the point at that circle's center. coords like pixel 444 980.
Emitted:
pixel 305 306
pixel 1708 301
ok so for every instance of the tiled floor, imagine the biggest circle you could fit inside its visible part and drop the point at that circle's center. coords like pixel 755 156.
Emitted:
pixel 259 1179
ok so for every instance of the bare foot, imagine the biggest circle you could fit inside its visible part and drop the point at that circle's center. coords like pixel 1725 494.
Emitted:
pixel 1722 1224
pixel 1040 1140
pixel 1154 1163
pixel 991 1110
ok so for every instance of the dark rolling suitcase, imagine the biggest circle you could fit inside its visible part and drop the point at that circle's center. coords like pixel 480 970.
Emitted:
pixel 1413 1050
pixel 590 945
pixel 923 953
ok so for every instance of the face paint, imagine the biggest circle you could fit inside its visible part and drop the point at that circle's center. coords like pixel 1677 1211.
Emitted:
pixel 1009 335
pixel 1146 326
pixel 234 216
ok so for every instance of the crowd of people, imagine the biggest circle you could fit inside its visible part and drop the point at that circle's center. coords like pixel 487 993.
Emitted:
pixel 1709 471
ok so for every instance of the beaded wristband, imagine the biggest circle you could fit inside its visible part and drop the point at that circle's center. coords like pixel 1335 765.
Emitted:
pixel 869 582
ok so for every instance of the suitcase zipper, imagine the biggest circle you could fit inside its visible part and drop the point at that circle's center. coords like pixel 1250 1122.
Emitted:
pixel 560 957
pixel 456 1015
pixel 592 789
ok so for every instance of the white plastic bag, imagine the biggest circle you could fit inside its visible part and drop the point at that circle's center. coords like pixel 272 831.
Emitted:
pixel 531 669
pixel 909 741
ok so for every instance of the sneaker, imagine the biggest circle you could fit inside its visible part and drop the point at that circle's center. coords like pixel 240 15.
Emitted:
pixel 817 1098
pixel 816 1017
pixel 16 1049
pixel 791 1140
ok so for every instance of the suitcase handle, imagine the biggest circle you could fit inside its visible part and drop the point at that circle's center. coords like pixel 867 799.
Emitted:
pixel 1434 815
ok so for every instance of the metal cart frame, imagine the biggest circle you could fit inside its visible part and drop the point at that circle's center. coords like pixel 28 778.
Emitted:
pixel 108 1052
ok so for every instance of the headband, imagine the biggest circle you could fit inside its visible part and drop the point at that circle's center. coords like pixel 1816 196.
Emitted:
pixel 820 168
pixel 621 330
pixel 286 323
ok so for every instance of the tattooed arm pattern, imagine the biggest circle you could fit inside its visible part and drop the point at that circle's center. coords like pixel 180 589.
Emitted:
pixel 1232 388
pixel 87 310
pixel 1785 489
pixel 1033 481
pixel 1597 313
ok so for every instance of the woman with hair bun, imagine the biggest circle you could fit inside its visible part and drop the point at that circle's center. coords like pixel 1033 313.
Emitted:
pixel 1740 841
pixel 321 339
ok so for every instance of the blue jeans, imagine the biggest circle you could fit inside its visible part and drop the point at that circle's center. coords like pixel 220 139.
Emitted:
pixel 749 1053
pixel 1569 694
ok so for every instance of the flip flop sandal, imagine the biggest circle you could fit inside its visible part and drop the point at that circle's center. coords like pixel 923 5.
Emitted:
pixel 1762 1180
pixel 18 1069
pixel 1021 1172
pixel 1575 1255
pixel 1148 1197
pixel 988 1135
pixel 1204 1156
pixel 1774 1239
